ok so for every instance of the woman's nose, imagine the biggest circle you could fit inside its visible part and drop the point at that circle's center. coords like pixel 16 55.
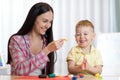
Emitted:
pixel 48 25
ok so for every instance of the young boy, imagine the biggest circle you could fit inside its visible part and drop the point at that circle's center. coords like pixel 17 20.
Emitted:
pixel 84 58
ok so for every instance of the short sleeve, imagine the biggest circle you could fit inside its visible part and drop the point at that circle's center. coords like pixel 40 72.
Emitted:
pixel 99 60
pixel 71 55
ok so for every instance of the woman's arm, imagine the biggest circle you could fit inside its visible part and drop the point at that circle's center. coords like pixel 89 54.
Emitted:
pixel 22 62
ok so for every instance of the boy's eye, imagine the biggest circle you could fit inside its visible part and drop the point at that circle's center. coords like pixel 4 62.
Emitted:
pixel 85 34
pixel 77 34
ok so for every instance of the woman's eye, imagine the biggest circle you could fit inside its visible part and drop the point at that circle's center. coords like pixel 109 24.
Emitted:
pixel 45 21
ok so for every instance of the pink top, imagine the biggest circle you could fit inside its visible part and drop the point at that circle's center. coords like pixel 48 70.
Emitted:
pixel 23 63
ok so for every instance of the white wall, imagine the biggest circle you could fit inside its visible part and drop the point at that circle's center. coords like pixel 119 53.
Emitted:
pixel 109 45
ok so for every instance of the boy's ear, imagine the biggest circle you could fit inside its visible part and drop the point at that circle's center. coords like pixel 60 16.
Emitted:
pixel 94 36
pixel 75 35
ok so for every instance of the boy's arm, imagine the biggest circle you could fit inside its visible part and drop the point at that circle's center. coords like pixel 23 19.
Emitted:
pixel 72 68
pixel 95 69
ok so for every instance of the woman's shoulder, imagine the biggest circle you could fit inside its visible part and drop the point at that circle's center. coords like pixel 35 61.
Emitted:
pixel 17 38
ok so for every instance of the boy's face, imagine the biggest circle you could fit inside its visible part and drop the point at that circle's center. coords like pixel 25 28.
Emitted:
pixel 84 36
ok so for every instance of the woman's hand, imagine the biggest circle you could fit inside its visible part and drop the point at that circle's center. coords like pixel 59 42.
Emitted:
pixel 53 46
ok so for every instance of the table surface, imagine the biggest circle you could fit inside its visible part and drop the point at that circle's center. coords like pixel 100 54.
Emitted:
pixel 105 77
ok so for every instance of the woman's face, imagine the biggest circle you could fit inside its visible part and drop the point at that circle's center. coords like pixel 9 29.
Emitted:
pixel 43 22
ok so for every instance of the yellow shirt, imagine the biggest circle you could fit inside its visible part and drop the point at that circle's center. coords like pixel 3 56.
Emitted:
pixel 77 55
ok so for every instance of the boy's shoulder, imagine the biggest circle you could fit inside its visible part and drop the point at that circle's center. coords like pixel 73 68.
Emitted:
pixel 75 49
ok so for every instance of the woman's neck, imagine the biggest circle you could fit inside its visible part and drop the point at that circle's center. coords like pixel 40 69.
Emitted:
pixel 34 36
pixel 36 43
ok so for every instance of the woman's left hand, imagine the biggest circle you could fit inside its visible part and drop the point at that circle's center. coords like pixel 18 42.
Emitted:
pixel 54 45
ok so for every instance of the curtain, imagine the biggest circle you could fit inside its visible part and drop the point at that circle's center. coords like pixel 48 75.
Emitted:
pixel 66 14
pixel 117 13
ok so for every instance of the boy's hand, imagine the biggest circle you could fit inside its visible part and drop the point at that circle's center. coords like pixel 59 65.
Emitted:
pixel 83 65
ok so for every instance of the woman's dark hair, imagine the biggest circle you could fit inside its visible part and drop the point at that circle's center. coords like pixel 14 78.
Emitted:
pixel 36 10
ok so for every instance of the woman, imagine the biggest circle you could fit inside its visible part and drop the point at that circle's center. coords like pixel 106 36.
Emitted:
pixel 31 49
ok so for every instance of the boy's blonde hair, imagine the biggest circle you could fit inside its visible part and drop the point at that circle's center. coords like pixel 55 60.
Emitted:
pixel 85 23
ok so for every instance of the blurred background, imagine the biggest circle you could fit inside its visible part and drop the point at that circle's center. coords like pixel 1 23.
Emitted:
pixel 104 14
